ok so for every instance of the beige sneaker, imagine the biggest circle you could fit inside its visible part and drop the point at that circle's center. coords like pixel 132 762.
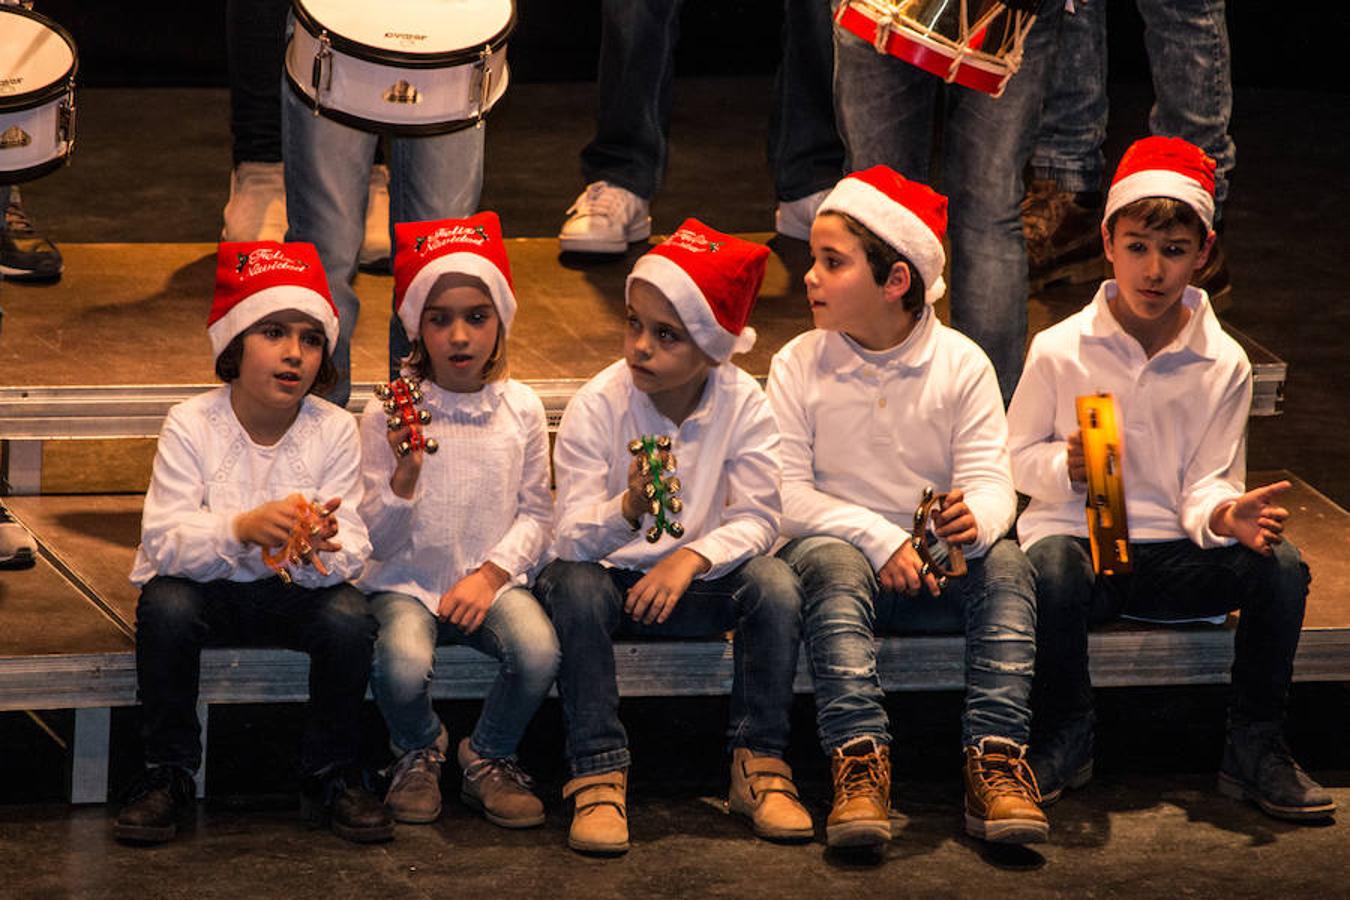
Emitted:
pixel 375 246
pixel 256 210
pixel 605 219
pixel 762 790
pixel 498 789
pixel 600 820
pixel 793 218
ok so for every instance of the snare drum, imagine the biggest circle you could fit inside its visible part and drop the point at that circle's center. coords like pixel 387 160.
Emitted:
pixel 973 43
pixel 403 67
pixel 37 95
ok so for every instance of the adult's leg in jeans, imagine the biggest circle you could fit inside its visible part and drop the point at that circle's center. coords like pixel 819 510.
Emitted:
pixel 987 143
pixel 805 151
pixel 1189 55
pixel 1073 119
pixel 518 633
pixel 585 606
pixel 431 178
pixel 327 183
pixel 255 47
pixel 637 67
pixel 838 626
pixel 402 668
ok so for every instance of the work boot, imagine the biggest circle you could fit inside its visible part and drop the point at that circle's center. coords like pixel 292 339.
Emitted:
pixel 1063 235
pixel 762 790
pixel 18 550
pixel 1257 766
pixel 861 815
pixel 794 217
pixel 414 794
pixel 1061 759
pixel 25 255
pixel 154 805
pixel 374 256
pixel 256 210
pixel 600 819
pixel 498 789
pixel 605 219
pixel 340 798
pixel 1002 800
pixel 1213 277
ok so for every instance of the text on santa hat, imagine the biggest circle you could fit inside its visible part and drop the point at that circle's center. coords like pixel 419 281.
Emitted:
pixel 684 239
pixel 455 234
pixel 265 259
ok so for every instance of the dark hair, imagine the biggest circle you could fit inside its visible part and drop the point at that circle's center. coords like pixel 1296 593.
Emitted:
pixel 1160 213
pixel 881 258
pixel 229 360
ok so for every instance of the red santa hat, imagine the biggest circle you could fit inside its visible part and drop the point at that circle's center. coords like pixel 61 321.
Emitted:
pixel 256 278
pixel 712 280
pixel 424 251
pixel 1164 167
pixel 909 216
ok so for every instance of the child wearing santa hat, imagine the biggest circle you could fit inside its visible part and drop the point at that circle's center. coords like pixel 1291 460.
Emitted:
pixel 879 404
pixel 688 302
pixel 456 534
pixel 234 475
pixel 1201 543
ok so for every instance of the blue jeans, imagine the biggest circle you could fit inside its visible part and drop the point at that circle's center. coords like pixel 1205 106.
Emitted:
pixel 1171 580
pixel 327 185
pixel 636 69
pixel 885 109
pixel 761 599
pixel 845 609
pixel 515 631
pixel 1188 52
pixel 176 618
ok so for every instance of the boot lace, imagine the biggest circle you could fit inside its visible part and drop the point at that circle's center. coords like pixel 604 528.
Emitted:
pixel 423 762
pixel 600 199
pixel 507 768
pixel 859 775
pixel 1009 775
pixel 16 219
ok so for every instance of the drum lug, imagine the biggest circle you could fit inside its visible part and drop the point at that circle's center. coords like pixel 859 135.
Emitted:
pixel 66 121
pixel 484 83
pixel 321 75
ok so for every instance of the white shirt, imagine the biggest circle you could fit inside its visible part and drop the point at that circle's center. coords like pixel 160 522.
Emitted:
pixel 482 496
pixel 727 457
pixel 1183 416
pixel 864 433
pixel 208 470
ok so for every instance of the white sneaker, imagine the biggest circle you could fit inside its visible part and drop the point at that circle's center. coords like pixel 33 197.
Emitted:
pixel 17 549
pixel 256 210
pixel 605 219
pixel 793 218
pixel 375 245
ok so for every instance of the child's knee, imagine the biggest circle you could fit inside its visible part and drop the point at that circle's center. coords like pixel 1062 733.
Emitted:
pixel 168 608
pixel 1061 567
pixel 575 591
pixel 776 590
pixel 344 618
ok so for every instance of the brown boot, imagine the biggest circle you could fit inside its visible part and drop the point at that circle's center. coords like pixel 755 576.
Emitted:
pixel 762 790
pixel 414 794
pixel 861 816
pixel 498 789
pixel 1063 235
pixel 600 820
pixel 1002 799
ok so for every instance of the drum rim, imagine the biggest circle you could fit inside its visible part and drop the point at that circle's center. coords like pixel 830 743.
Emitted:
pixel 12 103
pixel 19 176
pixel 399 58
pixel 361 123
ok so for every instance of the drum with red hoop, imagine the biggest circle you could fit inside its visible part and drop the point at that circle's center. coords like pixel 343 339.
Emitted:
pixel 973 43
pixel 37 95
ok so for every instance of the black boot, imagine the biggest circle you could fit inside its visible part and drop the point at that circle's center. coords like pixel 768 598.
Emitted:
pixel 341 799
pixel 1257 766
pixel 154 806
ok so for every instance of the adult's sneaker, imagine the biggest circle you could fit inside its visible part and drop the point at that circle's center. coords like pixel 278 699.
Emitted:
pixel 155 805
pixel 256 210
pixel 374 256
pixel 17 548
pixel 25 255
pixel 793 218
pixel 605 218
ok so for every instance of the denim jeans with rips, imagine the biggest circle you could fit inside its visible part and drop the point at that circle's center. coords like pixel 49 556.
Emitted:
pixel 886 110
pixel 1171 580
pixel 1188 50
pixel 760 599
pixel 845 609
pixel 515 631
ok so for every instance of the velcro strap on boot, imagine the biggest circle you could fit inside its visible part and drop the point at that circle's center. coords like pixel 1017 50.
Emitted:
pixel 769 775
pixel 605 789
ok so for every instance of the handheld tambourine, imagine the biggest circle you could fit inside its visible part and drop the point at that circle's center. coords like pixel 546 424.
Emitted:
pixel 1108 531
pixel 956 560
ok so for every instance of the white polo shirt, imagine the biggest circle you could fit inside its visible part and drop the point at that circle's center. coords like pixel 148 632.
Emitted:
pixel 1183 416
pixel 727 457
pixel 864 433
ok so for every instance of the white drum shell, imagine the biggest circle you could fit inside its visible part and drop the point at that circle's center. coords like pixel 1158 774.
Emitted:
pixel 42 125
pixel 37 76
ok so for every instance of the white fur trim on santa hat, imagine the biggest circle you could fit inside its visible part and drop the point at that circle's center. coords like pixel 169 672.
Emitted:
pixel 1161 183
pixel 893 223
pixel 692 307
pixel 269 300
pixel 464 263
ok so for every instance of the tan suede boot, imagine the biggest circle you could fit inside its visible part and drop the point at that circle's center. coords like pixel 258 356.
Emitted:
pixel 498 789
pixel 600 820
pixel 861 815
pixel 414 794
pixel 762 790
pixel 1002 799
